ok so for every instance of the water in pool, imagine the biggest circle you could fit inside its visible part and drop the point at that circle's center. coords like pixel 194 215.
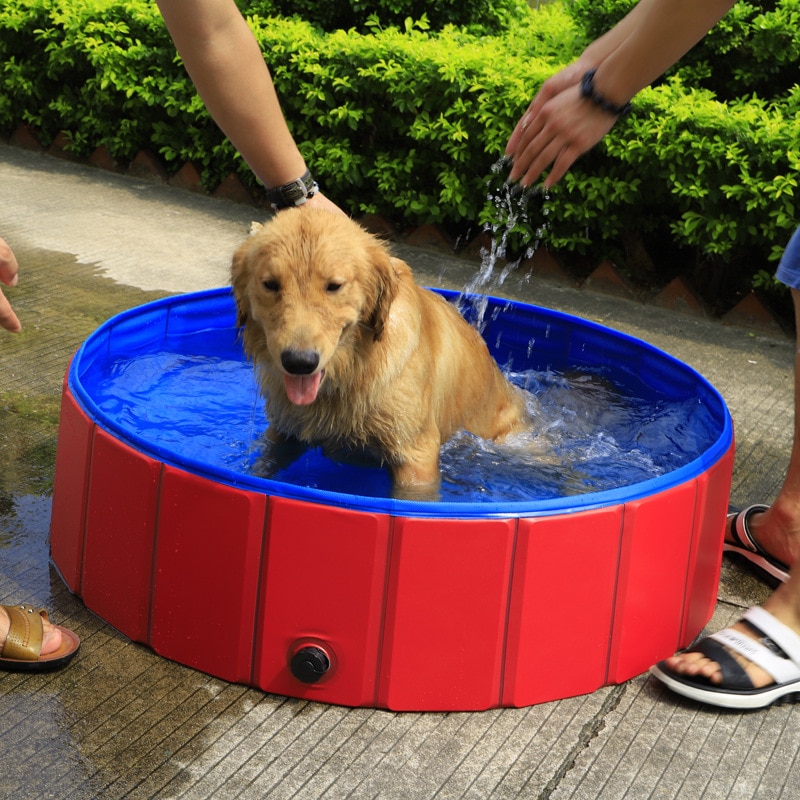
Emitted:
pixel 590 434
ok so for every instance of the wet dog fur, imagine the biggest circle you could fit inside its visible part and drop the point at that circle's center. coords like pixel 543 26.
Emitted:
pixel 351 353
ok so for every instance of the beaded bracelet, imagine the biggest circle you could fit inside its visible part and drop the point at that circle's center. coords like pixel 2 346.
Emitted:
pixel 590 93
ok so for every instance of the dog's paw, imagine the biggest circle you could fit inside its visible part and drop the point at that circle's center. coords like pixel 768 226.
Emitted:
pixel 277 453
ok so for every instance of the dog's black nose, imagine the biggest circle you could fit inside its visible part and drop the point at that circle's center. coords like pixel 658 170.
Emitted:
pixel 299 362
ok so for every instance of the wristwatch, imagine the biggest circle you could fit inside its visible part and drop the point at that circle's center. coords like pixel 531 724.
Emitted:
pixel 294 193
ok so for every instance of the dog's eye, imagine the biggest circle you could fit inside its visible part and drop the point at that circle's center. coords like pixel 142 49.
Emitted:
pixel 271 285
pixel 333 286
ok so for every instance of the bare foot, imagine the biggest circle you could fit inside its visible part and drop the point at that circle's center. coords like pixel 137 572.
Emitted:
pixel 51 638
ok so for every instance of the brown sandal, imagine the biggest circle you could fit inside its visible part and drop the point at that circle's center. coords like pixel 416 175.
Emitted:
pixel 22 650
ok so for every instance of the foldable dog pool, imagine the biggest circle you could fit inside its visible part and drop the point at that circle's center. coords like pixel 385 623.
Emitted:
pixel 317 584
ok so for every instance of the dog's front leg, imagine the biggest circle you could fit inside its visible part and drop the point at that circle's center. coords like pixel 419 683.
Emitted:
pixel 279 452
pixel 415 474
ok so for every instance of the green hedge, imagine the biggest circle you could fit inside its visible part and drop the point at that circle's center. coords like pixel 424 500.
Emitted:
pixel 754 50
pixel 402 122
pixel 409 123
pixel 479 16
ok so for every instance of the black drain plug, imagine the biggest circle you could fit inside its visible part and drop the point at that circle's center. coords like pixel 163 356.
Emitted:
pixel 309 664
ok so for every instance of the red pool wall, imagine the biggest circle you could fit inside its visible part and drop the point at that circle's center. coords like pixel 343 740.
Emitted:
pixel 415 613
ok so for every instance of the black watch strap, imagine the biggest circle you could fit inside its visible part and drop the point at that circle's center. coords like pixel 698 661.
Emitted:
pixel 294 193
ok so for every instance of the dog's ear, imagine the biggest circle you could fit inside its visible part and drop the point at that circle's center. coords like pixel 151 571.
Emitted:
pixel 239 284
pixel 387 274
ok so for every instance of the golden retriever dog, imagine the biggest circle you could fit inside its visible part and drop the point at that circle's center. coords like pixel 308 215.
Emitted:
pixel 352 354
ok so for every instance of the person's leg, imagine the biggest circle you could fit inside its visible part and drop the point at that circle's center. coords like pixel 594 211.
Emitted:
pixel 777 529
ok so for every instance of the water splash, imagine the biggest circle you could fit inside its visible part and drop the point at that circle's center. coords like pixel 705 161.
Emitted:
pixel 519 221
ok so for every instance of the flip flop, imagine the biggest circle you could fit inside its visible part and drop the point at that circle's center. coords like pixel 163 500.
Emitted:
pixel 747 547
pixel 22 650
pixel 777 651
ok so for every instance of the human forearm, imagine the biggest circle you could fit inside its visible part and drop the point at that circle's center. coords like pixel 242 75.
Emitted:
pixel 223 60
pixel 600 48
pixel 561 124
pixel 656 37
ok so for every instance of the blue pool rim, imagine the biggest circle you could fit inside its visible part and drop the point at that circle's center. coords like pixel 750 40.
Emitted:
pixel 213 311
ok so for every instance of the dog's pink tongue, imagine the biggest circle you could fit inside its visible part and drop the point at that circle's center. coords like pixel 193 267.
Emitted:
pixel 302 389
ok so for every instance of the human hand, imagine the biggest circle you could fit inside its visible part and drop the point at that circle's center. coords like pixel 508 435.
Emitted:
pixel 558 127
pixel 8 275
pixel 563 79
pixel 320 201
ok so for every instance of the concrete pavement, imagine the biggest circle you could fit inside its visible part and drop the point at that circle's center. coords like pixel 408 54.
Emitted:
pixel 121 722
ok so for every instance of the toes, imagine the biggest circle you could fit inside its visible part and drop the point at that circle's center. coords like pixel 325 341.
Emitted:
pixel 51 637
pixel 687 662
pixel 695 665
